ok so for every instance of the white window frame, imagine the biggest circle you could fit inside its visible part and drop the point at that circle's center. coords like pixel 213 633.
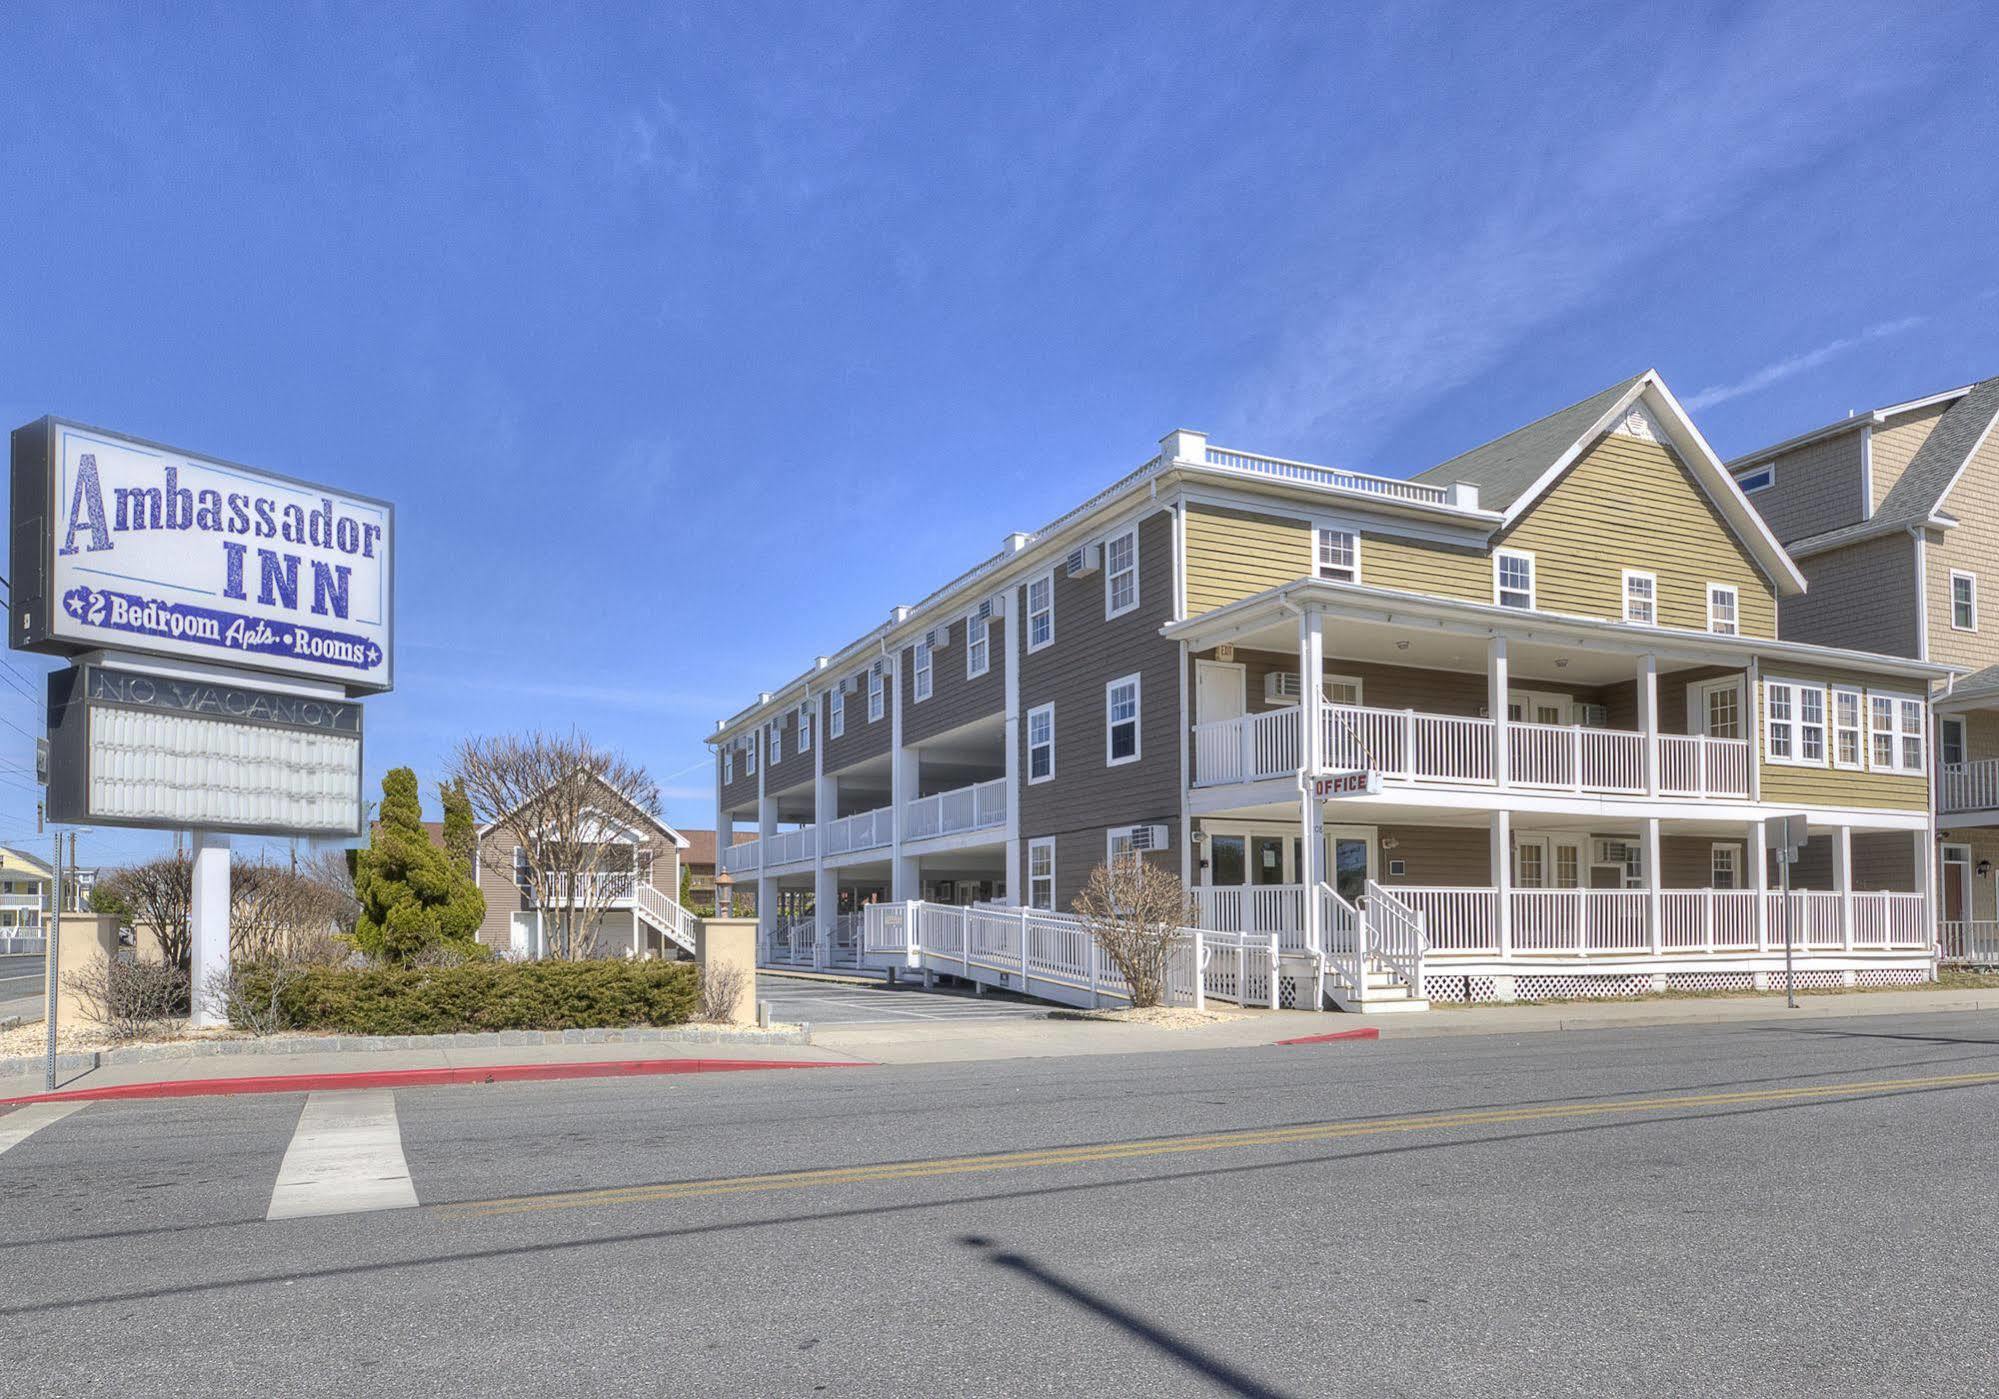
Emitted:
pixel 1970 579
pixel 1046 846
pixel 1113 573
pixel 1945 726
pixel 1732 624
pixel 1112 836
pixel 979 646
pixel 1500 557
pixel 1649 602
pixel 836 715
pixel 805 728
pixel 1037 712
pixel 1761 478
pixel 877 693
pixel 1903 729
pixel 728 763
pixel 1359 690
pixel 777 741
pixel 1791 724
pixel 925 673
pixel 1046 611
pixel 750 755
pixel 1348 572
pixel 1137 714
pixel 1714 865
pixel 1840 729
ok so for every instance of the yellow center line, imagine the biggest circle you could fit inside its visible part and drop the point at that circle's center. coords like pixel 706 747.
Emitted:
pixel 1208 1141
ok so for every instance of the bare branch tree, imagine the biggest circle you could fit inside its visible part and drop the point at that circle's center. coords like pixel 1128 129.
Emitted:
pixel 1135 910
pixel 571 807
pixel 279 914
pixel 156 897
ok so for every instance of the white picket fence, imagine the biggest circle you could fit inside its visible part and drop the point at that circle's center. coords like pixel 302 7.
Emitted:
pixel 1969 943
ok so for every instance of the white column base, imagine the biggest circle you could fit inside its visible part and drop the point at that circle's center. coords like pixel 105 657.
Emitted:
pixel 208 927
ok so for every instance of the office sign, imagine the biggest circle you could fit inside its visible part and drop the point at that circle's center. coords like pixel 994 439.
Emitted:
pixel 143 748
pixel 126 545
pixel 1357 783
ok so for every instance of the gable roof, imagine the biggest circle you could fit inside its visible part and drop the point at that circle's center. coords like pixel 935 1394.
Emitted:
pixel 630 809
pixel 1515 471
pixel 1918 495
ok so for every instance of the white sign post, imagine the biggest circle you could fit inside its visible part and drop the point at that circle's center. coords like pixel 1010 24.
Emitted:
pixel 1787 836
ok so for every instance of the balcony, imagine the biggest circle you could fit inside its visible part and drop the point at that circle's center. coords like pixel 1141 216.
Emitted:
pixel 975 808
pixel 1971 786
pixel 866 830
pixel 783 848
pixel 1405 745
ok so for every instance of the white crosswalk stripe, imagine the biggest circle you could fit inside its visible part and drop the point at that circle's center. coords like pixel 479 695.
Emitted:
pixel 22 1123
pixel 345 1157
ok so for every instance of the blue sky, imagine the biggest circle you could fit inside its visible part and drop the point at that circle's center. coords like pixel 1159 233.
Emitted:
pixel 689 341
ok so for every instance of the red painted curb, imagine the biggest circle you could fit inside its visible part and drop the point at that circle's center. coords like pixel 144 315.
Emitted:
pixel 423 1078
pixel 1370 1033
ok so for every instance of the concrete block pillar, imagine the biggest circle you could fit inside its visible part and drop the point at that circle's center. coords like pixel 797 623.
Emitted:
pixel 208 927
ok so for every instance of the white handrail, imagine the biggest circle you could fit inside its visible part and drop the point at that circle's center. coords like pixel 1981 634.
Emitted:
pixel 665 913
pixel 864 830
pixel 1968 786
pixel 1345 934
pixel 1364 483
pixel 975 808
pixel 1396 937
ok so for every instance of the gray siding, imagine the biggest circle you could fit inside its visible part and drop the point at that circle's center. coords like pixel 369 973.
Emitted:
pixel 1077 852
pixel 862 740
pixel 742 792
pixel 954 700
pixel 1818 488
pixel 796 767
pixel 1087 797
pixel 1862 597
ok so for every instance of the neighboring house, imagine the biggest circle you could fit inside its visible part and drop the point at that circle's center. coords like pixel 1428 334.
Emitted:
pixel 24 891
pixel 698 860
pixel 1533 697
pixel 1893 516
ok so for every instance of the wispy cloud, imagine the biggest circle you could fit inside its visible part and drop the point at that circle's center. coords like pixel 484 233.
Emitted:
pixel 1797 364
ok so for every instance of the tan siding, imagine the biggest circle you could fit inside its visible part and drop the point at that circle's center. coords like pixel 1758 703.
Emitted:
pixel 1451 856
pixel 1818 487
pixel 1687 862
pixel 1972 546
pixel 1829 786
pixel 1984 843
pixel 1895 443
pixel 1861 597
pixel 1415 566
pixel 1631 504
pixel 1234 554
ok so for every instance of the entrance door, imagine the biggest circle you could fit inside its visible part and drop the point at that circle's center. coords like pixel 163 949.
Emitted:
pixel 1352 865
pixel 1715 709
pixel 1266 859
pixel 1956 883
pixel 1220 691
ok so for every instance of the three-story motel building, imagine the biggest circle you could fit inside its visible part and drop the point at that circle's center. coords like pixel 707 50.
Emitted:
pixel 1531 701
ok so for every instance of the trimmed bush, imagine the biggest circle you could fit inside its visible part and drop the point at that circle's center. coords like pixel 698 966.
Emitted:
pixel 476 996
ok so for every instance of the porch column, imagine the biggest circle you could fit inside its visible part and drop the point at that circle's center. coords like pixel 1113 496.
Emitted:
pixel 1648 722
pixel 1312 872
pixel 1842 881
pixel 825 810
pixel 1013 627
pixel 1648 831
pixel 1495 704
pixel 1926 881
pixel 1502 878
pixel 1759 880
pixel 766 828
pixel 902 886
pixel 1311 689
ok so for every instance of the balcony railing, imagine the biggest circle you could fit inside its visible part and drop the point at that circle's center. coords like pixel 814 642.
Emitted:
pixel 866 830
pixel 783 848
pixel 1387 486
pixel 962 809
pixel 1972 786
pixel 742 856
pixel 1407 745
pixel 1613 921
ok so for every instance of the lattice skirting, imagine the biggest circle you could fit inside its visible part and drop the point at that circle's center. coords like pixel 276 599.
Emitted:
pixel 1463 990
pixel 1459 990
pixel 1890 976
pixel 1711 981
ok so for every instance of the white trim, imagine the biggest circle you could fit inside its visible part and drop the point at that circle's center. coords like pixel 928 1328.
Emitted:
pixel 1650 600
pixel 1533 582
pixel 1697 705
pixel 804 744
pixel 1965 575
pixel 1835 693
pixel 1111 834
pixel 923 673
pixel 1769 474
pixel 1944 723
pixel 1111 574
pixel 728 764
pixel 1035 847
pixel 878 689
pixel 1734 627
pixel 1733 849
pixel 1922 592
pixel 1899 731
pixel 1866 472
pixel 1792 724
pixel 836 714
pixel 1969 457
pixel 1137 713
pixel 1876 418
pixel 983 647
pixel 1359 689
pixel 1032 714
pixel 1048 580
pixel 1318 536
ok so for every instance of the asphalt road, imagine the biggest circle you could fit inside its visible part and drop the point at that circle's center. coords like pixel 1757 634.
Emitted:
pixel 22 990
pixel 1747 1210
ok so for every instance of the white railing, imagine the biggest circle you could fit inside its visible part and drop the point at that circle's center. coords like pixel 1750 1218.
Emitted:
pixel 1575 758
pixel 1406 743
pixel 1972 786
pixel 742 856
pixel 1396 937
pixel 1707 920
pixel 1693 765
pixel 963 809
pixel 1344 929
pixel 1247 749
pixel 866 830
pixel 794 941
pixel 1969 942
pixel 1457 920
pixel 666 914
pixel 1360 481
pixel 885 928
pixel 1256 908
pixel 1813 922
pixel 845 945
pixel 1581 920
pixel 27 947
pixel 1242 967
pixel 1889 920
pixel 790 847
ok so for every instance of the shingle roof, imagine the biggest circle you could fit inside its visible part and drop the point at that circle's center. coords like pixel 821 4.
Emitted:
pixel 1924 483
pixel 1506 468
pixel 1976 685
pixel 701 845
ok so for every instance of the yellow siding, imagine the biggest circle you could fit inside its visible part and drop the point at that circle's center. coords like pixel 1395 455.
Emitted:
pixel 1388 561
pixel 1830 786
pixel 1233 554
pixel 1631 504
pixel 1971 547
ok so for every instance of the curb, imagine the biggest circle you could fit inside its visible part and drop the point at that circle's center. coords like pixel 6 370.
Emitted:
pixel 1372 1032
pixel 420 1078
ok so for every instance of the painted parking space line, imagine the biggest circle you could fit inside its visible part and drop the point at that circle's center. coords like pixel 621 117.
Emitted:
pixel 22 1123
pixel 346 1157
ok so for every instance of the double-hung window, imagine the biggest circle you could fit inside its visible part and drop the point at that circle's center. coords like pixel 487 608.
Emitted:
pixel 1041 612
pixel 1897 725
pixel 877 681
pixel 1121 573
pixel 1118 847
pixel 1723 611
pixel 805 727
pixel 1121 721
pixel 1847 738
pixel 924 677
pixel 1641 597
pixel 836 714
pixel 1780 721
pixel 1041 874
pixel 1963 600
pixel 1950 741
pixel 750 757
pixel 729 764
pixel 1041 743
pixel 1513 579
pixel 1339 555
pixel 1724 866
pixel 978 647
pixel 777 740
pixel 1811 724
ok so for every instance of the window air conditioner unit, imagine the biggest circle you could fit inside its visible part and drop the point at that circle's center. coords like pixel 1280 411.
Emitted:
pixel 849 684
pixel 1148 837
pixel 1087 559
pixel 878 668
pixel 1613 852
pixel 930 638
pixel 985 613
pixel 1592 716
pixel 1281 685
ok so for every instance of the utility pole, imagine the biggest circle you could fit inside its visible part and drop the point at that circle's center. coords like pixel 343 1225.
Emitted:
pixel 51 962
